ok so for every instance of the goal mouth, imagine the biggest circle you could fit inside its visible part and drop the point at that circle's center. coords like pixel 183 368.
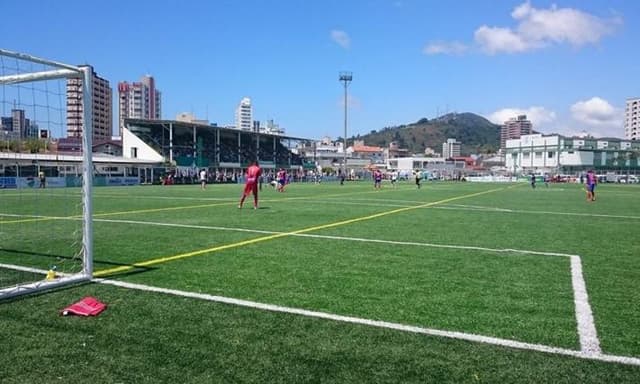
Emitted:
pixel 45 215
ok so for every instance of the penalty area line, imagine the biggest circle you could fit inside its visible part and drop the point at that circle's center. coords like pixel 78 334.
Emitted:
pixel 589 355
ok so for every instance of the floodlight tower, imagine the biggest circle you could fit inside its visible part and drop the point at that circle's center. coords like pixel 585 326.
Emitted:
pixel 346 78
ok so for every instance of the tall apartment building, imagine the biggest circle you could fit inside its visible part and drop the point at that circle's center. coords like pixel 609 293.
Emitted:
pixel 632 119
pixel 17 125
pixel 102 110
pixel 244 115
pixel 450 149
pixel 514 128
pixel 139 100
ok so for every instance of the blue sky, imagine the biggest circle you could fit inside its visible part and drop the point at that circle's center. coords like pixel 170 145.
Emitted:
pixel 570 65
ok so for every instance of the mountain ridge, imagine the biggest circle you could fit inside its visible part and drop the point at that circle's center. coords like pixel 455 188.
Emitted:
pixel 475 133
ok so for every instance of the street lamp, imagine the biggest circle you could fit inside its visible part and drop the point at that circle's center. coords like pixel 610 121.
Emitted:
pixel 345 78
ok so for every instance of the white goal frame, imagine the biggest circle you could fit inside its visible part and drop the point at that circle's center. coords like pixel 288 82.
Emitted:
pixel 62 71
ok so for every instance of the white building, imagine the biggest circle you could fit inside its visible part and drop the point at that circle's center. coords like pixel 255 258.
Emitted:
pixel 270 128
pixel 451 149
pixel 325 152
pixel 431 167
pixel 632 119
pixel 188 117
pixel 570 155
pixel 244 115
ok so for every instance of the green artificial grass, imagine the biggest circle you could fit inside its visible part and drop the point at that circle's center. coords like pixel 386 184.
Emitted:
pixel 399 255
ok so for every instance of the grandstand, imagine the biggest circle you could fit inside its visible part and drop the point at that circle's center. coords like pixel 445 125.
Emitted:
pixel 187 145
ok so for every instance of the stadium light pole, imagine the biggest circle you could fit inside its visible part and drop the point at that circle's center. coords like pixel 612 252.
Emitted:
pixel 345 78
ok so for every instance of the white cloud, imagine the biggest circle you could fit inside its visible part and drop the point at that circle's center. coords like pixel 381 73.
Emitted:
pixel 341 38
pixel 493 40
pixel 597 112
pixel 595 117
pixel 538 28
pixel 439 47
pixel 539 116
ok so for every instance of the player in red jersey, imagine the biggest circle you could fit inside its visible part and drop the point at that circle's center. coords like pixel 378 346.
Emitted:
pixel 251 184
pixel 282 179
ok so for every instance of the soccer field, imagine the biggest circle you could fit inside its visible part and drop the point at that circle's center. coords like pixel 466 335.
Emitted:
pixel 453 282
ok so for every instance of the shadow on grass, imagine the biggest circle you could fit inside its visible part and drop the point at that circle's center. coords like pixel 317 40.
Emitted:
pixel 64 257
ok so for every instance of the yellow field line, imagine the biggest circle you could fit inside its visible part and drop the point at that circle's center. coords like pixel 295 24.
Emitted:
pixel 161 260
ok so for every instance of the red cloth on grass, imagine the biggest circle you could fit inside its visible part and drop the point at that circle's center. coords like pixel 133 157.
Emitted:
pixel 89 306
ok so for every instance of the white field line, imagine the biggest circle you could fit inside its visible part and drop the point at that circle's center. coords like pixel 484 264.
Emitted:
pixel 142 197
pixel 22 269
pixel 493 209
pixel 347 202
pixel 585 323
pixel 399 201
pixel 591 354
pixel 381 324
pixel 589 342
pixel 329 237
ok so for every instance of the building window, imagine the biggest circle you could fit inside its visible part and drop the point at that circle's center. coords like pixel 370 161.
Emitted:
pixel 550 155
pixel 134 152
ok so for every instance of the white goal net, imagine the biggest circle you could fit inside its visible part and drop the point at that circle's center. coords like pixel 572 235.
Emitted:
pixel 45 182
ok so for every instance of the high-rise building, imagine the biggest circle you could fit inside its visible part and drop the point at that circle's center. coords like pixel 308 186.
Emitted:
pixel 17 125
pixel 139 100
pixel 514 128
pixel 632 119
pixel 102 110
pixel 244 115
pixel 450 149
pixel 19 122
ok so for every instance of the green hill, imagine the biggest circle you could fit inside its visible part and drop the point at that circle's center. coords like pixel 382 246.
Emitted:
pixel 477 134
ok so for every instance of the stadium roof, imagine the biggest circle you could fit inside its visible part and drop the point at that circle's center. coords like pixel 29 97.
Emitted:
pixel 147 122
pixel 97 158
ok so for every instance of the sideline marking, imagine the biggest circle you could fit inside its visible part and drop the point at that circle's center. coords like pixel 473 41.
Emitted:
pixel 583 354
pixel 588 338
pixel 161 260
pixel 494 209
pixel 587 333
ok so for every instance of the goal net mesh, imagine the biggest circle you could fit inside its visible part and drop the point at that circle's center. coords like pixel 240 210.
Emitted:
pixel 43 200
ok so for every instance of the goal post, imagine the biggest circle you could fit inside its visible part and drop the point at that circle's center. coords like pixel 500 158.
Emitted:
pixel 46 234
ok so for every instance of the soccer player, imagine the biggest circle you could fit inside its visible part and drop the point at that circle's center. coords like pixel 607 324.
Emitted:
pixel 394 178
pixel 251 184
pixel 282 179
pixel 43 179
pixel 377 179
pixel 203 179
pixel 418 176
pixel 592 180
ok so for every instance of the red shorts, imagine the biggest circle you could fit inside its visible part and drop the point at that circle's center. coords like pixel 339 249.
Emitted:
pixel 251 188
